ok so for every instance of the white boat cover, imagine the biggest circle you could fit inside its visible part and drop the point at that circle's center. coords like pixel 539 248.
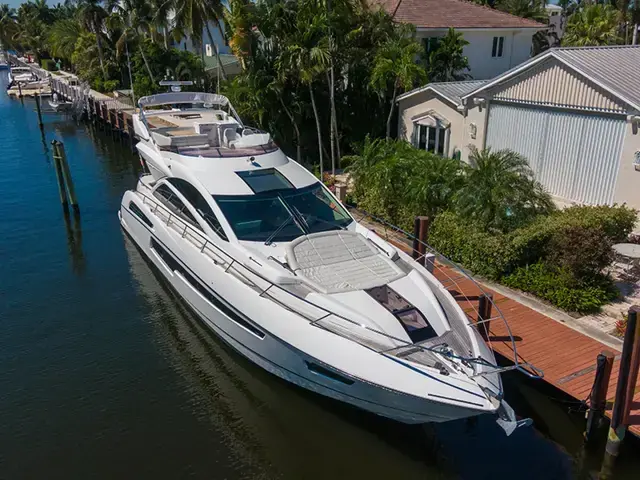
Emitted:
pixel 182 97
pixel 340 261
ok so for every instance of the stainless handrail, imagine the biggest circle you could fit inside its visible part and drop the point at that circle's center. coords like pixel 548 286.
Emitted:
pixel 173 220
pixel 536 372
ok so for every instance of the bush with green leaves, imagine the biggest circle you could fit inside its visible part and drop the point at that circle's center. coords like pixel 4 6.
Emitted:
pixel 48 64
pixel 558 257
pixel 395 181
pixel 559 286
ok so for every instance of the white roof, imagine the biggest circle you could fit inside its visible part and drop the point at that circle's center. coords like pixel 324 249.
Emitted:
pixel 182 97
pixel 614 68
pixel 451 91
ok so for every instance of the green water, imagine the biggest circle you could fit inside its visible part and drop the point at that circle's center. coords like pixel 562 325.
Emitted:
pixel 105 374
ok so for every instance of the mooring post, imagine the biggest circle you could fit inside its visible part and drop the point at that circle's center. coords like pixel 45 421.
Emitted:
pixel 37 97
pixel 416 239
pixel 67 178
pixel 59 175
pixel 485 302
pixel 598 396
pixel 635 363
pixel 618 427
pixel 19 90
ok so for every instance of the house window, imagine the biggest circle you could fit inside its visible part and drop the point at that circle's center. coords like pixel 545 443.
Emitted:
pixel 498 47
pixel 431 139
pixel 430 45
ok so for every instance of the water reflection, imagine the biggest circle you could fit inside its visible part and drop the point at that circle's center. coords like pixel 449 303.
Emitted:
pixel 73 228
pixel 275 428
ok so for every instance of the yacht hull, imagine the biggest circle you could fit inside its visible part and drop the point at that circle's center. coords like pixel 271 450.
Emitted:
pixel 265 349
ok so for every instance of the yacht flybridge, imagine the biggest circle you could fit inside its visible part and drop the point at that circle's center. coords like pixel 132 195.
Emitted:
pixel 279 269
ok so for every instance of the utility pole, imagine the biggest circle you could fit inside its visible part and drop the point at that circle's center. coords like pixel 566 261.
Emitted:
pixel 635 34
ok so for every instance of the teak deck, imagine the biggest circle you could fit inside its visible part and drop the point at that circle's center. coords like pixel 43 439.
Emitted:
pixel 567 357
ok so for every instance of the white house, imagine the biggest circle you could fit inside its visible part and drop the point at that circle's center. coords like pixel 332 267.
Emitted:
pixel 498 41
pixel 574 113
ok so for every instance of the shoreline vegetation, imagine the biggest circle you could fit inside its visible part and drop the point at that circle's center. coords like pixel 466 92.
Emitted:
pixel 322 76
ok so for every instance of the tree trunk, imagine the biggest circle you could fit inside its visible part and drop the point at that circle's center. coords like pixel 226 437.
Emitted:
pixel 315 113
pixel 101 56
pixel 165 33
pixel 224 74
pixel 296 130
pixel 331 131
pixel 393 105
pixel 146 64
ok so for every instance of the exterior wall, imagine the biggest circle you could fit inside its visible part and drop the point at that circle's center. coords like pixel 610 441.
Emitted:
pixel 517 49
pixel 460 138
pixel 187 43
pixel 422 103
pixel 627 188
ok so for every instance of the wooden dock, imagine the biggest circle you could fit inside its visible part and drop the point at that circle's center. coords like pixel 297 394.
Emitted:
pixel 114 114
pixel 567 356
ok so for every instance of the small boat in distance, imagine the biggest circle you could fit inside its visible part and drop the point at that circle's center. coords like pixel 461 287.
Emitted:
pixel 273 264
pixel 4 65
pixel 58 105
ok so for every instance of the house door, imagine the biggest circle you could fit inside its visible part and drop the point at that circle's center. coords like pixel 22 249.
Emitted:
pixel 575 156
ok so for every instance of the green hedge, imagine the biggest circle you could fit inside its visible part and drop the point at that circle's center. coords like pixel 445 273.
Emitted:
pixel 48 64
pixel 558 257
pixel 559 287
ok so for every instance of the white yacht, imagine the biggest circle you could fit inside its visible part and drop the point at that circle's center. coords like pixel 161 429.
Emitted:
pixel 21 74
pixel 279 269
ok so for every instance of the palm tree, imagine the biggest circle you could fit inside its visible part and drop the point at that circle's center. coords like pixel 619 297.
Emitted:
pixel 532 9
pixel 592 25
pixel 307 56
pixel 447 62
pixel 133 18
pixel 7 25
pixel 63 36
pixel 395 62
pixel 162 18
pixel 193 16
pixel 500 191
pixel 93 16
pixel 238 29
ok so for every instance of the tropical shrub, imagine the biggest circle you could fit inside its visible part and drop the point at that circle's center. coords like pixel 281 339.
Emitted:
pixel 489 254
pixel 559 286
pixel 48 64
pixel 500 192
pixel 395 181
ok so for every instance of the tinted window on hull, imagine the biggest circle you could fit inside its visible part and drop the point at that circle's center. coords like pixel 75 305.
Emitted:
pixel 175 266
pixel 136 211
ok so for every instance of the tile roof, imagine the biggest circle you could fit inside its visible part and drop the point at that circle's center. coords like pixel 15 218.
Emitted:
pixel 614 68
pixel 452 13
pixel 452 91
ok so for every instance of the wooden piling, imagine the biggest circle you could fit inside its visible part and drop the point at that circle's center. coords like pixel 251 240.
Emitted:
pixel 67 178
pixel 598 395
pixel 19 90
pixel 618 427
pixel 485 303
pixel 37 98
pixel 416 242
pixel 635 364
pixel 60 157
pixel 59 176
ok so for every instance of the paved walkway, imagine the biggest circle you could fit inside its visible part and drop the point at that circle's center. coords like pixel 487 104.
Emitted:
pixel 566 356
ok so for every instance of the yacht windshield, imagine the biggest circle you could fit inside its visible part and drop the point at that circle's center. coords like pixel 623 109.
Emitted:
pixel 283 215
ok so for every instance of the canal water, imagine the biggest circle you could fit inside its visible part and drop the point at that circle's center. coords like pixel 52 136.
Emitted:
pixel 105 374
